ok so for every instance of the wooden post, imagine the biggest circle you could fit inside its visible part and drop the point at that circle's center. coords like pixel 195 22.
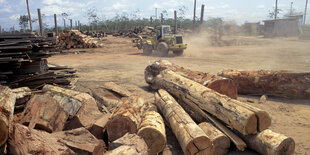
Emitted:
pixel 13 28
pixel 194 14
pixel 64 25
pixel 40 22
pixel 151 21
pixel 70 24
pixel 276 10
pixel 305 11
pixel 56 27
pixel 161 19
pixel 291 11
pixel 30 23
pixel 79 26
pixel 75 25
pixel 202 13
pixel 175 22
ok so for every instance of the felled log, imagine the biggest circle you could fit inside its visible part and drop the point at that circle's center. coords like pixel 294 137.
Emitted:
pixel 268 142
pixel 220 141
pixel 272 83
pixel 99 127
pixel 219 84
pixel 126 118
pixel 221 106
pixel 29 141
pixel 190 137
pixel 201 116
pixel 107 98
pixel 86 114
pixel 44 113
pixel 117 89
pixel 152 130
pixel 80 140
pixel 7 102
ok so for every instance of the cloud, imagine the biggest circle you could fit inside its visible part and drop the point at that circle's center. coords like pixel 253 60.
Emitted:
pixel 2 1
pixel 260 6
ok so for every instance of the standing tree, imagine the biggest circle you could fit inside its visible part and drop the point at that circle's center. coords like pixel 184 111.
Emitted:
pixel 23 21
pixel 92 17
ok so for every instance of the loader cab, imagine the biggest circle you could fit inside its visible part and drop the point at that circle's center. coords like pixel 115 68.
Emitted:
pixel 162 31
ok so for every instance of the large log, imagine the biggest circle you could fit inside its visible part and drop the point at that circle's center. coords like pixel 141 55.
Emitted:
pixel 44 113
pixel 268 142
pixel 273 83
pixel 7 102
pixel 84 108
pixel 228 110
pixel 152 130
pixel 220 141
pixel 106 98
pixel 126 118
pixel 117 89
pixel 23 95
pixel 219 84
pixel 191 138
pixel 30 141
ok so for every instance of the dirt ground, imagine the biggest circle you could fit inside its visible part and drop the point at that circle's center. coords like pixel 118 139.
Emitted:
pixel 119 62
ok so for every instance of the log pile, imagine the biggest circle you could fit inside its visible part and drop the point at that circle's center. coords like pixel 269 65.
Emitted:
pixel 243 124
pixel 135 32
pixel 75 39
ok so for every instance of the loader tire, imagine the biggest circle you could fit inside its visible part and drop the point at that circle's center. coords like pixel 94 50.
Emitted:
pixel 162 49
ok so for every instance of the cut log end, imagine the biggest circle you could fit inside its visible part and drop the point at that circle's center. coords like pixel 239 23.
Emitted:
pixel 200 145
pixel 3 132
pixel 251 125
pixel 119 126
pixel 224 86
pixel 154 139
pixel 287 147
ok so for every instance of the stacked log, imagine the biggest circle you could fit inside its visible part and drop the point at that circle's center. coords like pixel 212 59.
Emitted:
pixel 272 83
pixel 191 138
pixel 219 84
pixel 75 39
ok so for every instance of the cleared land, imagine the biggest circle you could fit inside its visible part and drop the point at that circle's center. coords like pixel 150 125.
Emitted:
pixel 121 63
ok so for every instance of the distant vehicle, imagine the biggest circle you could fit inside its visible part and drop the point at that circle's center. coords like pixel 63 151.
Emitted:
pixel 162 42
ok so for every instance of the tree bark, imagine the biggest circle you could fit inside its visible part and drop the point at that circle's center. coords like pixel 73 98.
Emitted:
pixel 106 98
pixel 190 137
pixel 126 118
pixel 30 141
pixel 44 113
pixel 7 103
pixel 219 84
pixel 221 106
pixel 117 89
pixel 152 130
pixel 272 83
pixel 220 141
pixel 23 95
pixel 268 142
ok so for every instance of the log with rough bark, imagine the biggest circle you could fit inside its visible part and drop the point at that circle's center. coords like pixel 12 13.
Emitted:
pixel 126 118
pixel 152 130
pixel 201 116
pixel 75 39
pixel 80 140
pixel 219 84
pixel 220 141
pixel 272 83
pixel 31 141
pixel 191 138
pixel 23 95
pixel 7 102
pixel 268 142
pixel 44 113
pixel 117 89
pixel 230 111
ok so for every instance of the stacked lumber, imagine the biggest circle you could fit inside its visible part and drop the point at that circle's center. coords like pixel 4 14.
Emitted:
pixel 273 83
pixel 244 124
pixel 23 61
pixel 75 39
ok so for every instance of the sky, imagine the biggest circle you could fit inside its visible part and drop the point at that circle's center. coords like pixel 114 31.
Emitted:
pixel 238 10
